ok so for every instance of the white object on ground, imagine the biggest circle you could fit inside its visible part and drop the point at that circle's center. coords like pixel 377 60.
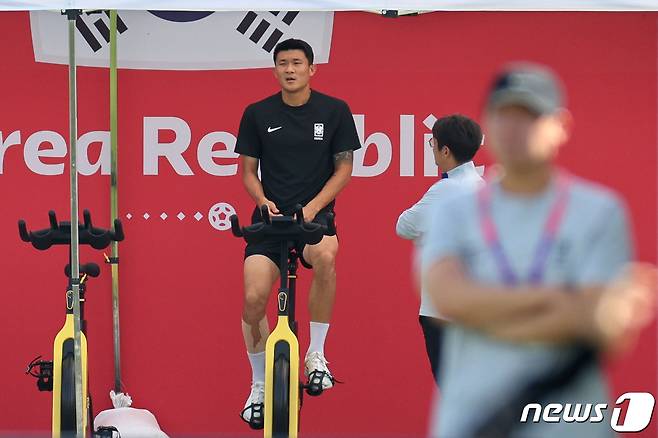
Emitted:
pixel 130 422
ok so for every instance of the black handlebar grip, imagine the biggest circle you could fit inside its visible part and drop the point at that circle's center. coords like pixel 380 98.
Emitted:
pixel 91 269
pixel 265 214
pixel 299 213
pixel 118 231
pixel 235 225
pixel 331 225
pixel 313 232
pixel 22 231
pixel 86 216
pixel 53 219
pixel 99 241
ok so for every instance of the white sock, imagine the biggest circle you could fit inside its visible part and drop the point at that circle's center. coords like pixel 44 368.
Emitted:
pixel 318 336
pixel 257 361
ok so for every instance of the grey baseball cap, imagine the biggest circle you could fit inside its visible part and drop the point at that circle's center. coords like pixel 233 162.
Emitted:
pixel 529 85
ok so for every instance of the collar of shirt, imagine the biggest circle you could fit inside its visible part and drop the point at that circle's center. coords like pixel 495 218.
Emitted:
pixel 461 171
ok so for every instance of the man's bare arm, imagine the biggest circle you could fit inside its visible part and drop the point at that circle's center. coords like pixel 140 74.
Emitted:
pixel 538 314
pixel 342 175
pixel 249 171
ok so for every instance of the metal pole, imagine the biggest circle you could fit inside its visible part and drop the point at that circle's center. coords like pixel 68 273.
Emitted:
pixel 75 264
pixel 114 199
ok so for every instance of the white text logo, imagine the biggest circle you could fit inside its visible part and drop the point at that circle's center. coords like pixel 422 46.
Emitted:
pixel 632 412
pixel 167 142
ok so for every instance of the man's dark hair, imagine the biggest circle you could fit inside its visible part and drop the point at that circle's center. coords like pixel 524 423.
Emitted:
pixel 295 44
pixel 460 134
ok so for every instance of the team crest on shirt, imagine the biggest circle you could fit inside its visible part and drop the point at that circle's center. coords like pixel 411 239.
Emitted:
pixel 318 131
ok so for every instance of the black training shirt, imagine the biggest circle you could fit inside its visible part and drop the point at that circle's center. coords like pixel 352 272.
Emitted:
pixel 296 144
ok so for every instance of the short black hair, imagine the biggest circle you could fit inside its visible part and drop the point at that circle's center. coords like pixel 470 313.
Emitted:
pixel 295 44
pixel 460 134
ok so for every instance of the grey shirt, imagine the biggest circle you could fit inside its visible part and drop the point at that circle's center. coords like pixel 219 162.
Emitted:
pixel 481 374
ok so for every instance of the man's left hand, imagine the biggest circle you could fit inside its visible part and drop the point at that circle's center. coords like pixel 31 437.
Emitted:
pixel 310 211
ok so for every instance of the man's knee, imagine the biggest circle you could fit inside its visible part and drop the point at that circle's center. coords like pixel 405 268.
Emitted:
pixel 258 280
pixel 324 261
pixel 255 305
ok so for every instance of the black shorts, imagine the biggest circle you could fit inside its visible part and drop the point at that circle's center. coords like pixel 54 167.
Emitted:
pixel 272 250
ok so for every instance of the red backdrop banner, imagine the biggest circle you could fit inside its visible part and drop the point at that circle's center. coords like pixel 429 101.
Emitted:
pixel 181 278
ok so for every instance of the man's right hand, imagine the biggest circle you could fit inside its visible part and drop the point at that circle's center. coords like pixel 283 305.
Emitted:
pixel 625 307
pixel 271 206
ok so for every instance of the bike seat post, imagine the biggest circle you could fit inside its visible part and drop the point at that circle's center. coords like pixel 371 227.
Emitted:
pixel 82 287
pixel 283 297
pixel 83 321
pixel 69 285
pixel 292 281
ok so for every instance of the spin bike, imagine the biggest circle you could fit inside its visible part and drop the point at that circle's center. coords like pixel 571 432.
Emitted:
pixel 283 389
pixel 58 375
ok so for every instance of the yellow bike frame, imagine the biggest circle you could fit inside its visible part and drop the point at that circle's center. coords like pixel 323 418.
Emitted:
pixel 66 333
pixel 282 333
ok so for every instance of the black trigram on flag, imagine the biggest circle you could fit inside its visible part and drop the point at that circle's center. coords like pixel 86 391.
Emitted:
pixel 102 28
pixel 263 26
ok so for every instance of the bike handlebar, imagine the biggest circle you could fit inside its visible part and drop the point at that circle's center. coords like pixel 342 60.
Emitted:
pixel 282 228
pixel 59 233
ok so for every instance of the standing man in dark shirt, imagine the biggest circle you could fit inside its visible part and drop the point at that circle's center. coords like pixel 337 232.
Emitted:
pixel 304 142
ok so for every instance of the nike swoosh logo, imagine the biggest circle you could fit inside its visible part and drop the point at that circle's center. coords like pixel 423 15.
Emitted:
pixel 273 129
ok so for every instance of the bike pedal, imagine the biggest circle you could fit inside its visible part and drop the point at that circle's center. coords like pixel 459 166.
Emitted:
pixel 314 390
pixel 42 370
pixel 314 386
pixel 256 421
pixel 257 424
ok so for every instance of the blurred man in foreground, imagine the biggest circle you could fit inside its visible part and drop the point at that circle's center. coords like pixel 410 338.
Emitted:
pixel 536 276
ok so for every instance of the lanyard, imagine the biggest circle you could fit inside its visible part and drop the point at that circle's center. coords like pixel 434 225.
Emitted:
pixel 546 241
